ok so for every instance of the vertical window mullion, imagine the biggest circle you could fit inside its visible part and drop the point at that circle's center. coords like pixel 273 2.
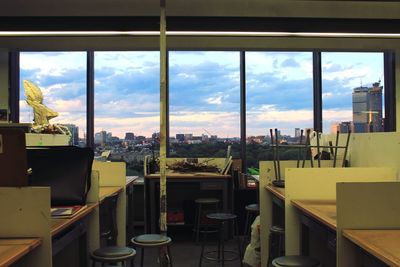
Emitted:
pixel 90 100
pixel 390 91
pixel 243 109
pixel 13 88
pixel 317 89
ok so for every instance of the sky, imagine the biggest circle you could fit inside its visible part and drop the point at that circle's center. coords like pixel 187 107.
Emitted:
pixel 204 89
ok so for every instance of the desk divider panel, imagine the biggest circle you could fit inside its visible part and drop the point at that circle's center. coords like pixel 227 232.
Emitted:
pixel 364 206
pixel 25 213
pixel 267 175
pixel 93 222
pixel 320 184
pixel 114 174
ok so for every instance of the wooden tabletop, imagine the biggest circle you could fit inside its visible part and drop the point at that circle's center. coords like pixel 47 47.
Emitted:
pixel 130 179
pixel 383 244
pixel 106 191
pixel 190 175
pixel 279 192
pixel 323 211
pixel 59 224
pixel 11 250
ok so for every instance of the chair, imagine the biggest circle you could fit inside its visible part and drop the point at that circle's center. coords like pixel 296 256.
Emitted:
pixel 295 261
pixel 153 241
pixel 222 219
pixel 201 204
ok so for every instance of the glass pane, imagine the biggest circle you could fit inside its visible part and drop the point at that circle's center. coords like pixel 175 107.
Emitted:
pixel 352 92
pixel 61 76
pixel 127 107
pixel 279 94
pixel 204 103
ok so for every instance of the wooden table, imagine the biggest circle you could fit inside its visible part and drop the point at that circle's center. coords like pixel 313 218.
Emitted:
pixel 59 224
pixel 383 244
pixel 318 216
pixel 11 250
pixel 279 192
pixel 323 211
pixel 204 181
pixel 106 191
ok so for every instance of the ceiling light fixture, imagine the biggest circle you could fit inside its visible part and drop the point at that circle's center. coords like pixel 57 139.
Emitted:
pixel 194 34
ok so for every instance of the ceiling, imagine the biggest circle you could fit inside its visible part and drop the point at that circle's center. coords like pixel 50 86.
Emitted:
pixel 208 8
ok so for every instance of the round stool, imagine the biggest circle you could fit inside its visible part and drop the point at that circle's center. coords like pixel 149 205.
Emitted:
pixel 113 255
pixel 152 241
pixel 276 243
pixel 295 261
pixel 201 203
pixel 252 211
pixel 221 220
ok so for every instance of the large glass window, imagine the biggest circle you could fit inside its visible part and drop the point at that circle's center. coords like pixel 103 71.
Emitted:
pixel 204 103
pixel 352 92
pixel 279 95
pixel 127 107
pixel 61 76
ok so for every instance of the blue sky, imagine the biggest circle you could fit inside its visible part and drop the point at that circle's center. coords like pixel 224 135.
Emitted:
pixel 204 89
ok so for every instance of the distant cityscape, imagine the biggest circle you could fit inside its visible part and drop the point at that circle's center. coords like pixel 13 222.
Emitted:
pixel 367 117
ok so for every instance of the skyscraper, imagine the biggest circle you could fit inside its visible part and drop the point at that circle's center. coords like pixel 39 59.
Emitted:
pixel 367 108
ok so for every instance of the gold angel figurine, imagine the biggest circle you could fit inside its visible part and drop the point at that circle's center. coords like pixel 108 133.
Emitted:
pixel 34 98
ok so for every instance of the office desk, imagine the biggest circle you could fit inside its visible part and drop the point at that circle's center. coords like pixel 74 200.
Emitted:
pixel 276 191
pixel 11 250
pixel 106 191
pixel 323 211
pixel 202 181
pixel 382 244
pixel 66 230
pixel 318 216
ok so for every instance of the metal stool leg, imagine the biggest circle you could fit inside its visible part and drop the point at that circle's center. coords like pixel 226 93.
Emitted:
pixel 239 243
pixel 198 223
pixel 202 246
pixel 142 258
pixel 169 256
pixel 222 243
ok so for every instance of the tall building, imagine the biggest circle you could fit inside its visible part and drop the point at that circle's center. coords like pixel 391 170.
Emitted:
pixel 129 136
pixel 74 130
pixel 367 108
pixel 297 132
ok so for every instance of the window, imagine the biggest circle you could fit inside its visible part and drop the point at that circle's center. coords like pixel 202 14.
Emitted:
pixel 127 107
pixel 204 103
pixel 61 76
pixel 352 92
pixel 279 94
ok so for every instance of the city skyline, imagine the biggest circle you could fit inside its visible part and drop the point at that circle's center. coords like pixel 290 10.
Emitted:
pixel 279 91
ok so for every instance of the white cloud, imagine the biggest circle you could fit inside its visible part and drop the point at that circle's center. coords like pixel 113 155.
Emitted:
pixel 217 100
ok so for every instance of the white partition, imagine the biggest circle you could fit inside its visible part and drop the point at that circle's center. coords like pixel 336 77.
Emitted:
pixel 364 206
pixel 114 174
pixel 320 184
pixel 25 213
pixel 93 223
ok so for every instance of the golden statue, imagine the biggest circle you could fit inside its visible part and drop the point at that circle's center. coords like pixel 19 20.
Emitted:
pixel 42 114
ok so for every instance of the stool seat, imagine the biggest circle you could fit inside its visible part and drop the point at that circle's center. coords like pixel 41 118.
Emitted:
pixel 152 241
pixel 295 261
pixel 221 216
pixel 209 200
pixel 253 208
pixel 275 229
pixel 114 252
